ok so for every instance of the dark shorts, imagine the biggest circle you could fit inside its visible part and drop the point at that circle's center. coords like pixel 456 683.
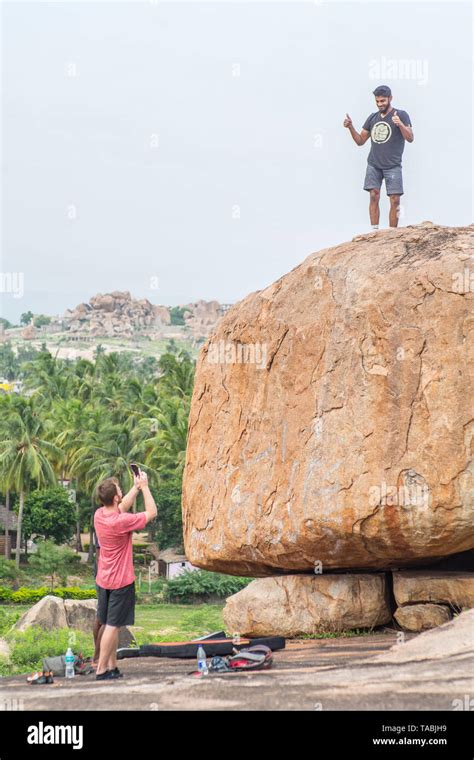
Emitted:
pixel 393 179
pixel 116 606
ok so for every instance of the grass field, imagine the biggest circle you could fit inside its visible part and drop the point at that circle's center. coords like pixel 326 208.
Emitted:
pixel 176 622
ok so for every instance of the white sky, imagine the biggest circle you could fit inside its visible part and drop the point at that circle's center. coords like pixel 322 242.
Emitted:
pixel 269 140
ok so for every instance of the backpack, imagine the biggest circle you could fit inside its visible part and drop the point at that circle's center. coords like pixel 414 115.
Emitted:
pixel 58 665
pixel 259 657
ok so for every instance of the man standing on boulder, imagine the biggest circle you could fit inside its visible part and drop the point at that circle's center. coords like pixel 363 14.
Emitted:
pixel 388 128
pixel 115 576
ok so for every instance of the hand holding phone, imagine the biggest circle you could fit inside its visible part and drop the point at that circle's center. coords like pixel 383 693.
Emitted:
pixel 136 476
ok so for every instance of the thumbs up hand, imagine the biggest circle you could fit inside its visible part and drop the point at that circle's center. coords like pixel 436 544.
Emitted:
pixel 396 119
pixel 347 121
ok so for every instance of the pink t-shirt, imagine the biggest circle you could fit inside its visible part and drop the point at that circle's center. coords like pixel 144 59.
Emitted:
pixel 114 531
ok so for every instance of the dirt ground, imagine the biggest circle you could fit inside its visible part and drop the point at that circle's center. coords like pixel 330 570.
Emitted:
pixel 322 674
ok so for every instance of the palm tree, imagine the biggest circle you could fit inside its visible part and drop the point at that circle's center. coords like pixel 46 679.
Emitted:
pixel 5 415
pixel 177 377
pixel 161 434
pixel 25 456
pixel 69 418
pixel 9 362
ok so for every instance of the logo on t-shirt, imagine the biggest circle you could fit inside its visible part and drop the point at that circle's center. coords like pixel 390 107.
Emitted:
pixel 381 132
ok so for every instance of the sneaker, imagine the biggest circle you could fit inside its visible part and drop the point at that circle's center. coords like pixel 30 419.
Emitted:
pixel 109 675
pixel 102 676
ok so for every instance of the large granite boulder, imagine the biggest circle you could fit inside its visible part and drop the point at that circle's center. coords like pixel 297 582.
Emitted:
pixel 80 613
pixel 48 613
pixel 331 418
pixel 201 317
pixel 440 587
pixel 291 605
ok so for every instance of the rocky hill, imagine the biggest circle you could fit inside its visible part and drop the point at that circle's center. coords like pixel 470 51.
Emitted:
pixel 117 314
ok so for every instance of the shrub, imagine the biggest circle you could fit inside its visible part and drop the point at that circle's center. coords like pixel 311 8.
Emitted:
pixel 27 595
pixel 53 560
pixel 8 570
pixel 33 595
pixel 177 315
pixel 7 619
pixel 193 584
pixel 73 592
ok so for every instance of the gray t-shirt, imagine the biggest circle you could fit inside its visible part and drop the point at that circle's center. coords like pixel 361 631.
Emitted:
pixel 386 138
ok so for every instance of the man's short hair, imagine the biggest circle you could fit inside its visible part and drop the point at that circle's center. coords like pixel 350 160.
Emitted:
pixel 107 491
pixel 383 91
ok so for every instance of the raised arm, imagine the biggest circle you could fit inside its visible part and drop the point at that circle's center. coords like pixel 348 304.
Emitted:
pixel 359 139
pixel 150 506
pixel 129 498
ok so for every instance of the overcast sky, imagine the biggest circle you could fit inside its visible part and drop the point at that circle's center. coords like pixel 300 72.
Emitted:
pixel 196 150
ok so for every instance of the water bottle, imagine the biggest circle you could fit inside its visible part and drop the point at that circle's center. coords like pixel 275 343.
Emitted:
pixel 202 662
pixel 70 663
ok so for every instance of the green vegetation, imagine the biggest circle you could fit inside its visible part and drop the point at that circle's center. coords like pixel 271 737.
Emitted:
pixel 167 528
pixel 8 571
pixel 194 584
pixel 26 456
pixel 177 315
pixel 9 616
pixel 174 622
pixel 26 318
pixel 81 421
pixel 11 362
pixel 41 319
pixel 52 560
pixel 337 634
pixel 33 595
pixel 49 513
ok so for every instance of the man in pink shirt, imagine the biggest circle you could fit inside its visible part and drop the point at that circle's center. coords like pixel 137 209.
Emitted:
pixel 115 575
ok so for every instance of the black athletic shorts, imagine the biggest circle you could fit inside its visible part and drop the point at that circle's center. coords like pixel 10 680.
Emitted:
pixel 116 606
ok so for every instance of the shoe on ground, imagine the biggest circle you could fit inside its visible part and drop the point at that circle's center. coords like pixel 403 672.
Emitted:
pixel 109 675
pixel 40 678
